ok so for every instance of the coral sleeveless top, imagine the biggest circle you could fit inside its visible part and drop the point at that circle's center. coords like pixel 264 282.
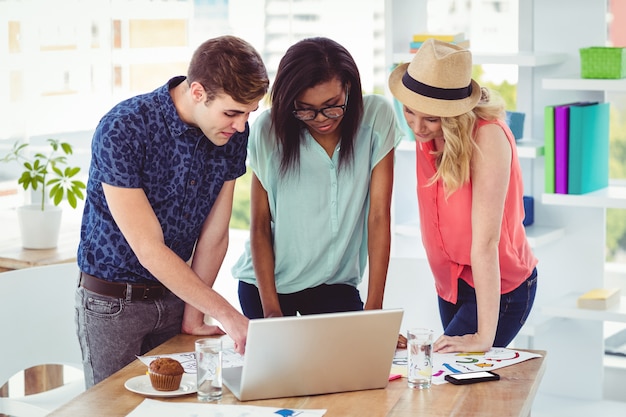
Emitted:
pixel 447 229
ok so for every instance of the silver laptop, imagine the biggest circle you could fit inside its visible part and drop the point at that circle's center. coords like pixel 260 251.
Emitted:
pixel 316 354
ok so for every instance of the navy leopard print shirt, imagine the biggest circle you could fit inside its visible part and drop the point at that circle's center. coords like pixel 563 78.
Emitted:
pixel 142 143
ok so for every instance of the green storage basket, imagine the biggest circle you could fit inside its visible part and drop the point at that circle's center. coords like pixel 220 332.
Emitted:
pixel 603 62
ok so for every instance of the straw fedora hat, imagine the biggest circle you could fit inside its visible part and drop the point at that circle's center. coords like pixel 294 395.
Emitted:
pixel 438 81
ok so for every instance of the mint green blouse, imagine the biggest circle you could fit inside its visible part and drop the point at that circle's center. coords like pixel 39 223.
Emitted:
pixel 319 216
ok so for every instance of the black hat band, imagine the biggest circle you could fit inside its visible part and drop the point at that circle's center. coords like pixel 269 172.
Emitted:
pixel 436 92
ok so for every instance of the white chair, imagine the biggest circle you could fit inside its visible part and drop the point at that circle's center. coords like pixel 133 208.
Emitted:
pixel 37 327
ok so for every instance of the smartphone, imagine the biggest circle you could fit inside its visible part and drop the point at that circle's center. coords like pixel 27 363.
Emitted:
pixel 472 377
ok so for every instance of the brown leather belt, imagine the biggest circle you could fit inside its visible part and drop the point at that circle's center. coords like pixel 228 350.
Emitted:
pixel 138 292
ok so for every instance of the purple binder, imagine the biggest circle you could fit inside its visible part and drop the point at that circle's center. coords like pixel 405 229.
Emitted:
pixel 561 148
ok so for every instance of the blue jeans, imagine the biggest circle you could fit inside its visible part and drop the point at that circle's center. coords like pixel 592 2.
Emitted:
pixel 321 299
pixel 112 331
pixel 461 318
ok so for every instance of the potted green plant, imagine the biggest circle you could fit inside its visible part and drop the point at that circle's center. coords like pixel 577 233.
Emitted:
pixel 40 223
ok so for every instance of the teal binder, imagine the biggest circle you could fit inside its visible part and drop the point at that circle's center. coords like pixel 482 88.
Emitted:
pixel 588 165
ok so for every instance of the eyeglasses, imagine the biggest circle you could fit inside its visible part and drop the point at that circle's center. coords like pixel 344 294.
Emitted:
pixel 331 112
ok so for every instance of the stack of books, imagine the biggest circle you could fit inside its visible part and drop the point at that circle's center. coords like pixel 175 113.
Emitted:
pixel 599 299
pixel 455 38
pixel 576 147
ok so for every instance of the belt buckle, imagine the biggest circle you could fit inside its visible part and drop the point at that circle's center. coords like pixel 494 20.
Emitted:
pixel 148 290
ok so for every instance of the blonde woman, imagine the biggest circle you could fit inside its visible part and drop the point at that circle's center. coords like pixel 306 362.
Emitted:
pixel 470 195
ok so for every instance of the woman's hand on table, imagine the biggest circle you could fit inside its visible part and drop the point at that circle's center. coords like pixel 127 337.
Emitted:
pixel 465 343
pixel 401 342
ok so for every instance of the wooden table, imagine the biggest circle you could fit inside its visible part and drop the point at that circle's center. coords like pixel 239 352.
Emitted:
pixel 511 396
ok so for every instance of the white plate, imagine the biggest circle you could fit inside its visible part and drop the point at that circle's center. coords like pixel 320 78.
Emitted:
pixel 141 385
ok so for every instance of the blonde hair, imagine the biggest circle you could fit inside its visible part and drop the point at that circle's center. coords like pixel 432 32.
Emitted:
pixel 454 161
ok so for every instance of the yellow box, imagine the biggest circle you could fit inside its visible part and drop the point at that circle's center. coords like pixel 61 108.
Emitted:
pixel 599 299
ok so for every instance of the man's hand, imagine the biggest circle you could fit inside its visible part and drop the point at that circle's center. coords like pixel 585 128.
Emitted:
pixel 204 330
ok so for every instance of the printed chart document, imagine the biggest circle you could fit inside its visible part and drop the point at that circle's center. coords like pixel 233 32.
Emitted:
pixel 230 358
pixel 455 363
pixel 156 408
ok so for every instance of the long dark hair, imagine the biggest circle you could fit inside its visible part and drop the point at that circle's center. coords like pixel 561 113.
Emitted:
pixel 306 64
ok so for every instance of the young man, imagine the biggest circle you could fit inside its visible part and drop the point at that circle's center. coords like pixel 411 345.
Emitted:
pixel 160 191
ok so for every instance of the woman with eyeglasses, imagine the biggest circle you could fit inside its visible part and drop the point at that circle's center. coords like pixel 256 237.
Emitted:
pixel 322 160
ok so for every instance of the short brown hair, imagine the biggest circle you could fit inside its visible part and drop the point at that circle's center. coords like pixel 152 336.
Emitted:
pixel 228 64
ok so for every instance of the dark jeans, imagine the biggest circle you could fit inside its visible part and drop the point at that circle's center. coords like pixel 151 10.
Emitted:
pixel 322 299
pixel 461 318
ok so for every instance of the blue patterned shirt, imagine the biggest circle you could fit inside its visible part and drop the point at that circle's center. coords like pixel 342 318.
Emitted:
pixel 143 143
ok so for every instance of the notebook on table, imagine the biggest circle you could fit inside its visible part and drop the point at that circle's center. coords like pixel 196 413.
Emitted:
pixel 316 354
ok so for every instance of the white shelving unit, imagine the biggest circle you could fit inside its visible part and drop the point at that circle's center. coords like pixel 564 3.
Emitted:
pixel 521 59
pixel 610 197
pixel 565 307
pixel 568 236
pixel 542 235
pixel 577 83
pixel 529 148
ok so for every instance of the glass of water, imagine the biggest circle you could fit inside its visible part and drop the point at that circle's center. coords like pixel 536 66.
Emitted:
pixel 209 367
pixel 419 355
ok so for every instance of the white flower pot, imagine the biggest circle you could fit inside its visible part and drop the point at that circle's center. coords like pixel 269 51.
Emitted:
pixel 39 228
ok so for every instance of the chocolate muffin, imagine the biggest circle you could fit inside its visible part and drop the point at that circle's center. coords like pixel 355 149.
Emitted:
pixel 165 374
